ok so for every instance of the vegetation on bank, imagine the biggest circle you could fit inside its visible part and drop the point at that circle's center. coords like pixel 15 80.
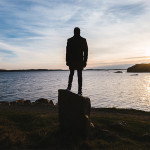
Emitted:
pixel 37 127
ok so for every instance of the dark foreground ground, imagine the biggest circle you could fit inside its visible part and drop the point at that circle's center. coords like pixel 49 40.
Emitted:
pixel 37 127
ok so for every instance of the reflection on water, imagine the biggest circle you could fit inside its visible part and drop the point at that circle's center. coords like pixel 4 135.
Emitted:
pixel 105 88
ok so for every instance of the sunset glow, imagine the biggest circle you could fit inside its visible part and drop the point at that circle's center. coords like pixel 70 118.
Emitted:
pixel 34 33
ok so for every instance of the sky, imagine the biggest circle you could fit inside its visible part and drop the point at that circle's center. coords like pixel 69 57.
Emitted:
pixel 34 33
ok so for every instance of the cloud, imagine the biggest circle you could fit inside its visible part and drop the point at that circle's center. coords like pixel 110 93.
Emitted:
pixel 36 31
pixel 7 56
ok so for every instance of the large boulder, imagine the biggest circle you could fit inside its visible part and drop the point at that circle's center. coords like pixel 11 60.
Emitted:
pixel 4 103
pixel 17 102
pixel 74 113
pixel 20 101
pixel 27 102
pixel 42 101
pixel 51 102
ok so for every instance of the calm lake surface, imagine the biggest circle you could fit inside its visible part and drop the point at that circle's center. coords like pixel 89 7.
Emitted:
pixel 104 88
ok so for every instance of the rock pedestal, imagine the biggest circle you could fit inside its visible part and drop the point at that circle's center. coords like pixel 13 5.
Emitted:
pixel 74 113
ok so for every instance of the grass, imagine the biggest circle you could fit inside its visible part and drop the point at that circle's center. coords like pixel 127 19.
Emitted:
pixel 37 127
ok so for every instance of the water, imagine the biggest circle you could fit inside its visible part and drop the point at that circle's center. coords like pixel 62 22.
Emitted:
pixel 104 88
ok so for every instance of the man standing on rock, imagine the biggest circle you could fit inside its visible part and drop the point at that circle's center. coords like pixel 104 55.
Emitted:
pixel 76 57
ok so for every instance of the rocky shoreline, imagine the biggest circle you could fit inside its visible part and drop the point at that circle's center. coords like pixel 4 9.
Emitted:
pixel 40 101
pixel 36 126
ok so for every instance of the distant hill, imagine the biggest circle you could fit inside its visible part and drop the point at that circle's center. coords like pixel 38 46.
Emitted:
pixel 3 70
pixel 113 67
pixel 139 68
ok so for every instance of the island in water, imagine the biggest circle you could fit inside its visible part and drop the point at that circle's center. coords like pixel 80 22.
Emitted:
pixel 139 68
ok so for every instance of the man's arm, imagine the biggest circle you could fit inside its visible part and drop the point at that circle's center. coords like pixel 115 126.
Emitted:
pixel 85 53
pixel 67 53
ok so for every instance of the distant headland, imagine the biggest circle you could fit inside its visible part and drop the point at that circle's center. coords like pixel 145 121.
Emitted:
pixel 139 68
pixel 22 70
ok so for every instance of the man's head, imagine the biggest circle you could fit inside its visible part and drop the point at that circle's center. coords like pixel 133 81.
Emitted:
pixel 77 31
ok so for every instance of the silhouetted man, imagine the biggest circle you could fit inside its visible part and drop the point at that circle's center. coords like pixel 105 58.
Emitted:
pixel 76 57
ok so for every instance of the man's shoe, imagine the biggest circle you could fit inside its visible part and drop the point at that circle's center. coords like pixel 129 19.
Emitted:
pixel 80 93
pixel 68 89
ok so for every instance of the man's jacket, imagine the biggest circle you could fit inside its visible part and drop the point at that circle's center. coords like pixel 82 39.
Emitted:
pixel 76 50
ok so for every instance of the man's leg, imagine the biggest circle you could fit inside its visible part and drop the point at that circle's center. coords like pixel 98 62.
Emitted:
pixel 79 81
pixel 70 79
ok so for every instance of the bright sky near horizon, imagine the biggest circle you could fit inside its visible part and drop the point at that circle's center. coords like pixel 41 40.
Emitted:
pixel 34 33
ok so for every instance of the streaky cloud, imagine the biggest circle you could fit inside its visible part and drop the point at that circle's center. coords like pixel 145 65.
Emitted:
pixel 37 30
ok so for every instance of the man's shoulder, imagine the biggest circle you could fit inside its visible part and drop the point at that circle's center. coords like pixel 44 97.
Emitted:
pixel 72 38
pixel 83 38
